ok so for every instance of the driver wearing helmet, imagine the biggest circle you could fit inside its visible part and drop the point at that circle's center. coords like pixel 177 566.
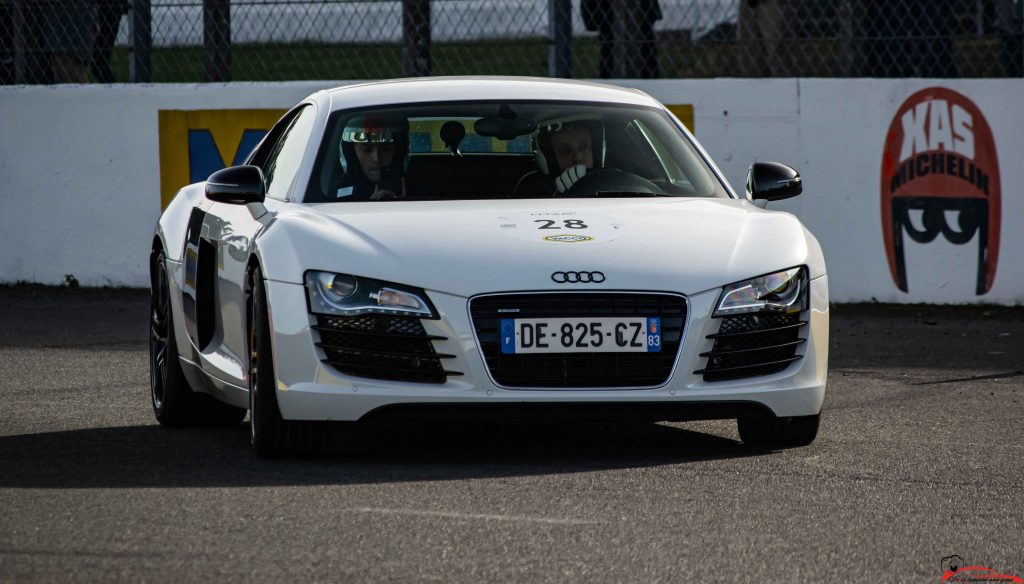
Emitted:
pixel 565 150
pixel 374 156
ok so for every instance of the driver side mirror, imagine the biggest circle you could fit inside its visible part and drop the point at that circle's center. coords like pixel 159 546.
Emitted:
pixel 237 185
pixel 772 181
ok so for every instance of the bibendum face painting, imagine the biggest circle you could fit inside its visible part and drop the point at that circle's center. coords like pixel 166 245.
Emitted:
pixel 940 179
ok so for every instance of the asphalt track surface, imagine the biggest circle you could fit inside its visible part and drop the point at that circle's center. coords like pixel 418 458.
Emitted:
pixel 920 456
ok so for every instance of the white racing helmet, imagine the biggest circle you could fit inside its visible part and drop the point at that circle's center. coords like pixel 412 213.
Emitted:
pixel 541 140
pixel 374 129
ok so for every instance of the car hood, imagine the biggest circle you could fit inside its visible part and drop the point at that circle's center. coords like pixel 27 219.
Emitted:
pixel 471 247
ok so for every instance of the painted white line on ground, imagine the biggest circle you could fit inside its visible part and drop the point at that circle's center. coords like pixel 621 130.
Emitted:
pixel 483 516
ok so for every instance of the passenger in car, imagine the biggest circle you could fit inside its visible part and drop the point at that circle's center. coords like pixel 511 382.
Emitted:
pixel 564 150
pixel 374 155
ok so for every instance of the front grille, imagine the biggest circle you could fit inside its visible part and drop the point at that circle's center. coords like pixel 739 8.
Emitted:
pixel 750 345
pixel 581 370
pixel 379 346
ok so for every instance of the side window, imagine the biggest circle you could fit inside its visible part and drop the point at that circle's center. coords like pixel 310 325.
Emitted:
pixel 285 156
pixel 269 142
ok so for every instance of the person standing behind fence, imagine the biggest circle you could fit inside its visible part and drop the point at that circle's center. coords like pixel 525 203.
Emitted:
pixel 108 21
pixel 599 16
pixel 67 30
pixel 763 29
pixel 906 38
pixel 932 51
pixel 1010 24
pixel 650 12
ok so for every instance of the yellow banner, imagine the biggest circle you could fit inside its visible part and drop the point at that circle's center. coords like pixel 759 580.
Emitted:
pixel 684 113
pixel 196 143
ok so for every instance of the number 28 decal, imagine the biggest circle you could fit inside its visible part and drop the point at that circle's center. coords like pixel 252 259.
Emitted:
pixel 559 226
pixel 566 223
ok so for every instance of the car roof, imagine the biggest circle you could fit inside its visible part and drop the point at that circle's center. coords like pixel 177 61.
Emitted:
pixel 431 89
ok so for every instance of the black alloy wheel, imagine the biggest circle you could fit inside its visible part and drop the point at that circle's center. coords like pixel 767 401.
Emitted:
pixel 174 402
pixel 160 337
pixel 271 435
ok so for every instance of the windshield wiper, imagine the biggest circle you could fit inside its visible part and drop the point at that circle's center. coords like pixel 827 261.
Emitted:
pixel 629 194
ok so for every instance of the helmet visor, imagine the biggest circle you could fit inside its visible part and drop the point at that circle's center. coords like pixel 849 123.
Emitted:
pixel 373 130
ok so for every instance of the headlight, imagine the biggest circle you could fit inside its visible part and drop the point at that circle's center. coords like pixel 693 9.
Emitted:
pixel 347 295
pixel 784 291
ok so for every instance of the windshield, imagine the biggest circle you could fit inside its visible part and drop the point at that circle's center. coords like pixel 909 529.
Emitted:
pixel 510 149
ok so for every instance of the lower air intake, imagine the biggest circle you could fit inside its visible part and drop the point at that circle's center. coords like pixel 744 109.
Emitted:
pixel 751 345
pixel 380 346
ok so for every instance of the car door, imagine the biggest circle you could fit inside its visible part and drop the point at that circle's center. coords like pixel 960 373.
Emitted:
pixel 222 244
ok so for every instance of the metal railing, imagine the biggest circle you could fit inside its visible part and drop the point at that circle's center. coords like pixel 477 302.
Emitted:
pixel 50 41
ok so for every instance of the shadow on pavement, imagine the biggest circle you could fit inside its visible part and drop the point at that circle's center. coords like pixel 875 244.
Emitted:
pixel 153 456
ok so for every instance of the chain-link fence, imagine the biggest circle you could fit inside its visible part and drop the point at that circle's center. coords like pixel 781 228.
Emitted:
pixel 48 41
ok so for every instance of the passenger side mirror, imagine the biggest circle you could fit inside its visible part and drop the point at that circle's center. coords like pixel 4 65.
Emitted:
pixel 772 181
pixel 237 185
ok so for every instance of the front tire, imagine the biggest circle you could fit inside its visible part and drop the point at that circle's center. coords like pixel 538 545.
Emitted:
pixel 779 432
pixel 272 436
pixel 174 402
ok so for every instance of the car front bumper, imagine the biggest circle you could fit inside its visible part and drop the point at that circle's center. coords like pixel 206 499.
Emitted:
pixel 308 389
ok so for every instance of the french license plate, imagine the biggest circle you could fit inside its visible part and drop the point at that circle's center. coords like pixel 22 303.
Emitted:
pixel 580 335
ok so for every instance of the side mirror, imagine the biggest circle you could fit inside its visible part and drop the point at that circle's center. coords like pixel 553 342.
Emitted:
pixel 772 181
pixel 237 185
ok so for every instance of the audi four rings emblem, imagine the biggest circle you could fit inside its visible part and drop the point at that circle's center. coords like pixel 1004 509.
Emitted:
pixel 578 277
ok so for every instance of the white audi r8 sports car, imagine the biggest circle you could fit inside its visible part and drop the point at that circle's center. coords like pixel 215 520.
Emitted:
pixel 478 248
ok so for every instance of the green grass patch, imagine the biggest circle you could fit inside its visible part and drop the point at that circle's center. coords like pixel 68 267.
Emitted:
pixel 293 62
pixel 678 58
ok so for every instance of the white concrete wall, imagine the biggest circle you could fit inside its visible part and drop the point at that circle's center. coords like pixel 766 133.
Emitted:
pixel 79 173
pixel 833 131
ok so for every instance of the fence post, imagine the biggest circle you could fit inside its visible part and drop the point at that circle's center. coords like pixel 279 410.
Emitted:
pixel 847 46
pixel 416 38
pixel 560 33
pixel 20 41
pixel 216 40
pixel 140 42
pixel 626 27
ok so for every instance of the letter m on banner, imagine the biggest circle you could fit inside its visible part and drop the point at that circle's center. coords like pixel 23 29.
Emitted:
pixel 196 143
